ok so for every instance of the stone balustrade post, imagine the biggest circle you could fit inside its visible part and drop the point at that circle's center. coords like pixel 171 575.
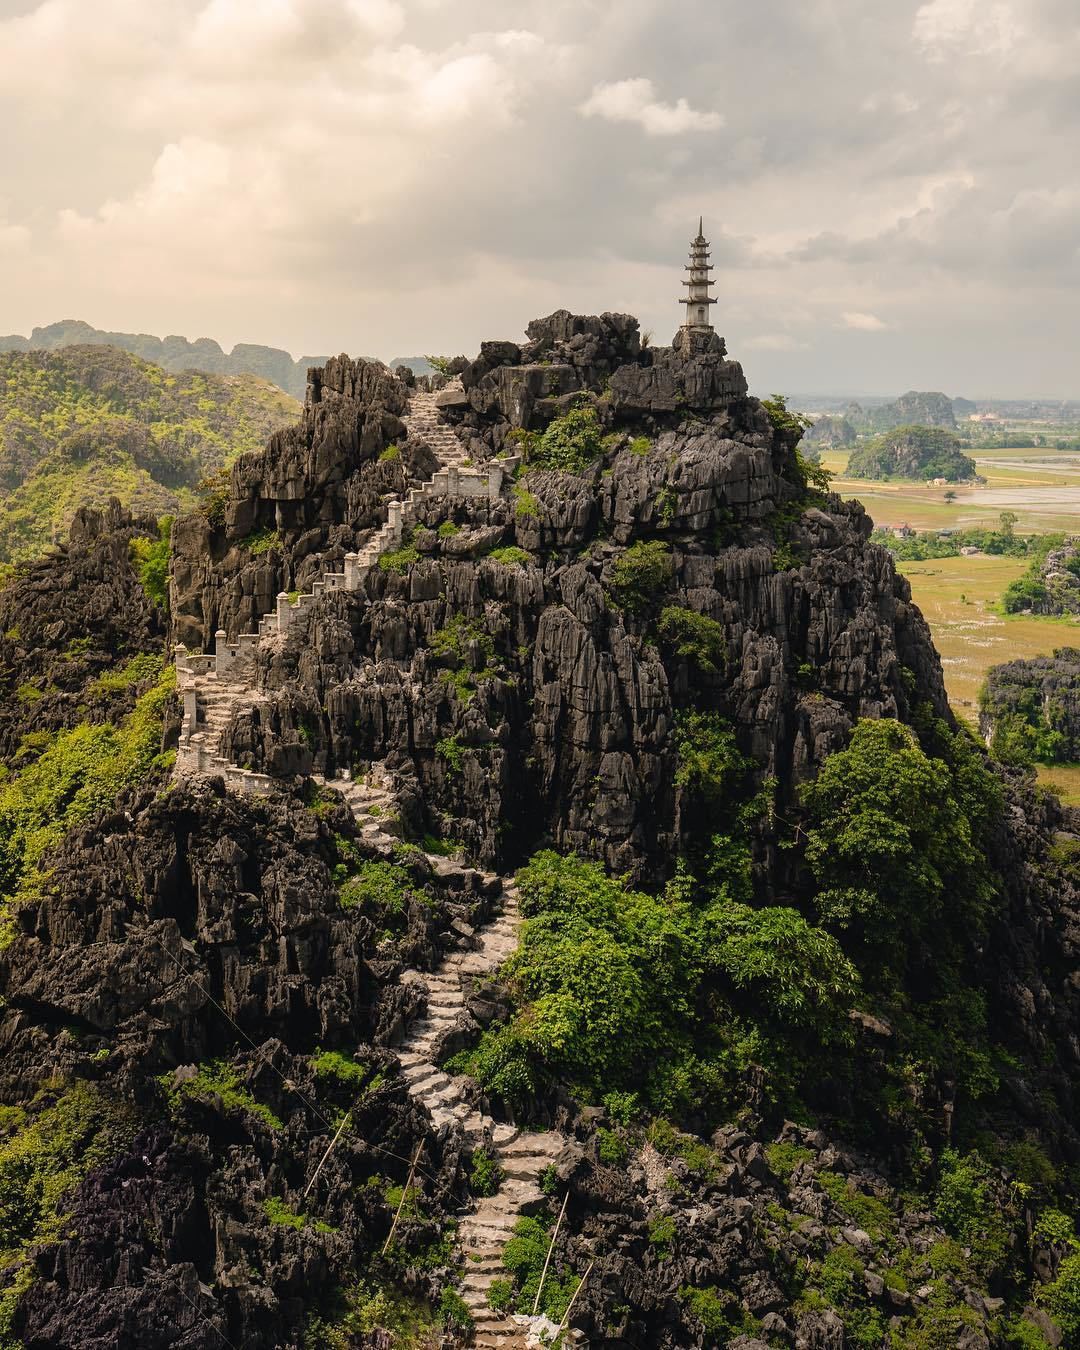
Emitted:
pixel 453 481
pixel 284 611
pixel 222 655
pixel 393 520
pixel 191 715
pixel 494 483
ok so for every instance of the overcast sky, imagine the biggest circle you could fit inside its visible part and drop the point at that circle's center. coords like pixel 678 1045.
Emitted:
pixel 890 186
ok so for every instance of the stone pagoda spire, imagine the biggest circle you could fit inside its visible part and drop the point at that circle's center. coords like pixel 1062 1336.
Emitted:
pixel 697 299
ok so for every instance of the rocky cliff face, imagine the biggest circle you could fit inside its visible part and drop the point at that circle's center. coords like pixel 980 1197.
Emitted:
pixel 70 619
pixel 294 511
pixel 198 987
pixel 558 700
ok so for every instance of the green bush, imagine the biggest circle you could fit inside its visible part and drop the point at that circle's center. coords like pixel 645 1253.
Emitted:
pixel 217 1079
pixel 82 771
pixel 450 750
pixel 339 1066
pixel 261 541
pixel 695 637
pixel 662 1233
pixel 612 1148
pixel 379 889
pixel 524 1256
pixel 448 529
pixel 485 1173
pixel 570 443
pixel 150 558
pixel 399 560
pixel 639 575
pixel 390 455
pixel 969 1208
pixel 453 1310
pixel 140 668
pixel 610 986
pixel 510 556
pixel 279 1213
pixel 640 445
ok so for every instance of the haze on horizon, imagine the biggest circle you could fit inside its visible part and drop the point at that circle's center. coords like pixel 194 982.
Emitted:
pixel 886 188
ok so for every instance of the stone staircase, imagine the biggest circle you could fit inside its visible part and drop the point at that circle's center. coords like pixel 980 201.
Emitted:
pixel 522 1156
pixel 230 662
pixel 214 687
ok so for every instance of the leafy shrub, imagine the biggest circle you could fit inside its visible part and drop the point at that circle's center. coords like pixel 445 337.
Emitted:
pixel 510 556
pixel 279 1213
pixel 47 1148
pixel 570 443
pixel 448 529
pixel 524 1256
pixel 340 1066
pixel 485 1173
pixel 261 541
pixel 452 752
pixel 500 1295
pixel 968 1208
pixel 612 1148
pixel 640 573
pixel 217 1079
pixel 720 1315
pixel 140 668
pixel 526 503
pixel 640 445
pixel 662 1232
pixel 150 558
pixel 390 455
pixel 379 889
pixel 784 418
pixel 453 1309
pixel 786 1158
pixel 694 636
pixel 399 560
pixel 610 986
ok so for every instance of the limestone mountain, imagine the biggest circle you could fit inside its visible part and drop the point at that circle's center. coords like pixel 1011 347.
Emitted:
pixel 915 408
pixel 175 354
pixel 550 878
pixel 84 424
pixel 912 452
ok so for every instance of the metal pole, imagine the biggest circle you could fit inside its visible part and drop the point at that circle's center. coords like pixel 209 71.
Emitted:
pixel 581 1286
pixel 329 1149
pixel 404 1193
pixel 547 1259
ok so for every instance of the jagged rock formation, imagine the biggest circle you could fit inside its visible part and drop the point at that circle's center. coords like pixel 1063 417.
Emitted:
pixel 569 733
pixel 911 409
pixel 255 996
pixel 69 619
pixel 1038 701
pixel 831 433
pixel 1051 585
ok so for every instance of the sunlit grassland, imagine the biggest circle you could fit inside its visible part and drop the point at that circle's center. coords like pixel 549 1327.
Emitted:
pixel 958 597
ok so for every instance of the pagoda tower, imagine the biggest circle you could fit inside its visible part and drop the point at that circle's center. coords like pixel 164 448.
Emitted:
pixel 697 299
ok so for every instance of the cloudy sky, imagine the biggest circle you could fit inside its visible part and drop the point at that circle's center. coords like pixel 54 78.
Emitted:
pixel 891 188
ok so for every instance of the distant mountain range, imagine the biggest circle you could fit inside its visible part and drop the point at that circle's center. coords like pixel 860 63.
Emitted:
pixel 177 353
pixel 91 422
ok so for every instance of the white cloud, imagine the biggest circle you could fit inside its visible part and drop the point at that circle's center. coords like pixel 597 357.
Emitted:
pixel 635 101
pixel 773 342
pixel 944 27
pixel 863 323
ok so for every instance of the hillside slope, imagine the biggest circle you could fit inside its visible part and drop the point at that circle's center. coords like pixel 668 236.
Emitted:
pixel 85 424
pixel 793 1004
